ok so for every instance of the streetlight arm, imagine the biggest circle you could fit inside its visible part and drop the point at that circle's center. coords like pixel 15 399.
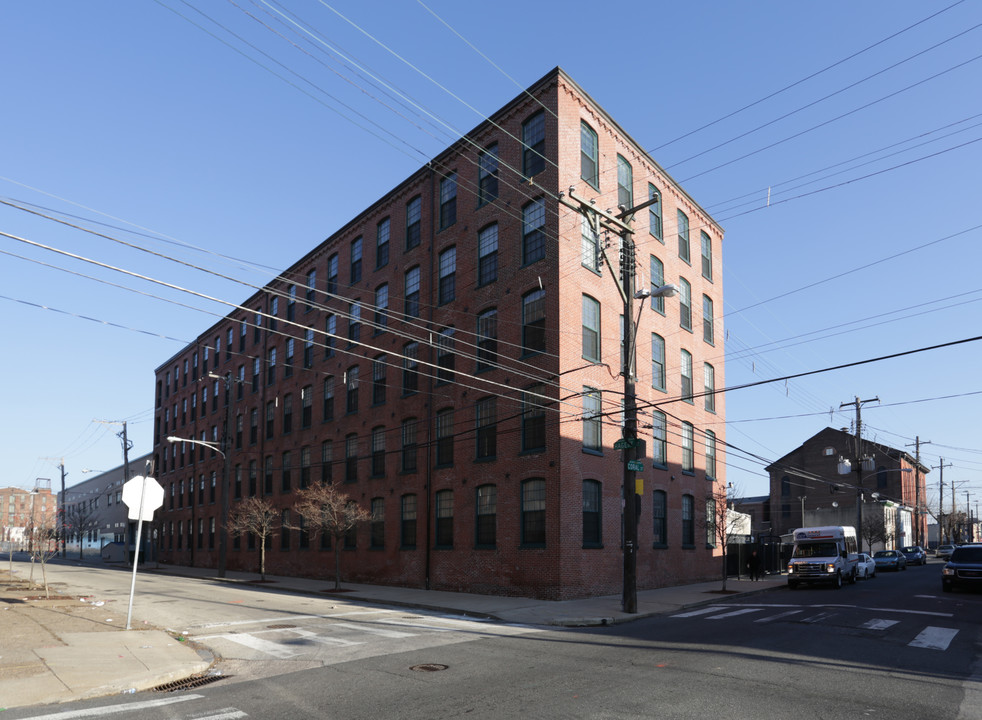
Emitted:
pixel 211 445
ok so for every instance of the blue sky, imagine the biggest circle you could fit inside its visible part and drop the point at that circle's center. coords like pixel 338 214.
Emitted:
pixel 196 131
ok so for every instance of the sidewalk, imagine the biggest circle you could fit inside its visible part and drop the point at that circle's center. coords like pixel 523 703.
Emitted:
pixel 69 648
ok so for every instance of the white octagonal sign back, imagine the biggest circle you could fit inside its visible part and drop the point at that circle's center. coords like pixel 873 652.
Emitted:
pixel 152 492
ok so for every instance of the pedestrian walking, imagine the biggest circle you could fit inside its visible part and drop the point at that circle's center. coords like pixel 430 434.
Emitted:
pixel 753 566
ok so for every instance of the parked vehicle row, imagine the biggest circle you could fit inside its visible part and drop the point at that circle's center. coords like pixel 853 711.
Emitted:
pixel 963 569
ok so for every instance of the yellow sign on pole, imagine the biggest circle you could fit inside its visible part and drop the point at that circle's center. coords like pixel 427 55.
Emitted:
pixel 639 486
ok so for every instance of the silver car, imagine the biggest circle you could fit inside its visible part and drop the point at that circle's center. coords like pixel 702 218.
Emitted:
pixel 866 567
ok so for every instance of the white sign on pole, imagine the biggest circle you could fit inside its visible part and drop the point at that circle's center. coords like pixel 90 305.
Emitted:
pixel 142 495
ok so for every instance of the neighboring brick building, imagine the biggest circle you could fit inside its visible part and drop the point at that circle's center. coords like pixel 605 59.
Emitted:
pixel 452 357
pixel 20 510
pixel 807 481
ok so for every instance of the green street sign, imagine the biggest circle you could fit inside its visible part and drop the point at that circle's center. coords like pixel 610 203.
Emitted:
pixel 636 465
pixel 625 443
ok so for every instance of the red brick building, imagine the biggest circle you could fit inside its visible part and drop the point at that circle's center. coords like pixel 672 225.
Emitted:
pixel 452 357
pixel 21 510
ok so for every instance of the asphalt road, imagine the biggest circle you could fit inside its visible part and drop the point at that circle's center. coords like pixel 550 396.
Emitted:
pixel 893 647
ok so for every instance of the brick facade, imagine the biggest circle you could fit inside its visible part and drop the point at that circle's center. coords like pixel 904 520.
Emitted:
pixel 498 462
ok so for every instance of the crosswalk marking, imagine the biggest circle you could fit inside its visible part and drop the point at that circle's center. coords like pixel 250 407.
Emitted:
pixel 251 641
pixel 934 638
pixel 879 624
pixel 818 618
pixel 323 639
pixel 701 611
pixel 732 613
pixel 772 618
pixel 224 714
pixel 374 630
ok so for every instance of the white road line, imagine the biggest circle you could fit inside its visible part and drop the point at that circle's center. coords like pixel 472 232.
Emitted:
pixel 282 618
pixel 772 618
pixel 251 641
pixel 224 714
pixel 373 630
pixel 934 638
pixel 701 611
pixel 733 613
pixel 111 709
pixel 818 618
pixel 879 624
pixel 323 640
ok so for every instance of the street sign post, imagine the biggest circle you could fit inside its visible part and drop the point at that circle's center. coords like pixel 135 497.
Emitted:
pixel 141 495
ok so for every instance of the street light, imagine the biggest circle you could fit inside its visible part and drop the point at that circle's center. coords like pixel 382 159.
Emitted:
pixel 206 443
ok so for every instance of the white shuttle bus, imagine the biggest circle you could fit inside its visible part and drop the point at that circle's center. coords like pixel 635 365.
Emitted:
pixel 823 554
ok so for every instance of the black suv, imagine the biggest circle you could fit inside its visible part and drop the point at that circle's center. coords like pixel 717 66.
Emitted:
pixel 963 569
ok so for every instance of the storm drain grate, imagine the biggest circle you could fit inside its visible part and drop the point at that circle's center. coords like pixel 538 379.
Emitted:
pixel 429 667
pixel 188 683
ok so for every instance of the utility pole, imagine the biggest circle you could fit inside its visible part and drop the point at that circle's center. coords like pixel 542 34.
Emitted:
pixel 127 446
pixel 620 224
pixel 859 458
pixel 61 505
pixel 941 467
pixel 918 515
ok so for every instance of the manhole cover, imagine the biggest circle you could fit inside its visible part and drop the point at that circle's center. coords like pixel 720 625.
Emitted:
pixel 428 667
pixel 281 626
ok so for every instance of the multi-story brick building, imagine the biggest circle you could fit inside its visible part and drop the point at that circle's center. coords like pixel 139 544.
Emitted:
pixel 21 510
pixel 452 357
pixel 807 482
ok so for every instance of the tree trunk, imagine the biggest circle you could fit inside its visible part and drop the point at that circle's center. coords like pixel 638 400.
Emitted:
pixel 262 558
pixel 337 563
pixel 724 567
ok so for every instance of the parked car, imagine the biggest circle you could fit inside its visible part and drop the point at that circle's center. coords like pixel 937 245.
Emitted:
pixel 944 551
pixel 964 569
pixel 915 555
pixel 889 560
pixel 866 567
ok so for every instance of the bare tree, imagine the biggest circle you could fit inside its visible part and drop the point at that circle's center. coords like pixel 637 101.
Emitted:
pixel 721 524
pixel 256 516
pixel 44 546
pixel 326 510
pixel 874 529
pixel 80 520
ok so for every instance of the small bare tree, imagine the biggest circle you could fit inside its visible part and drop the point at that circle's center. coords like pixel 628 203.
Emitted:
pixel 721 524
pixel 45 538
pixel 326 510
pixel 80 520
pixel 874 529
pixel 257 516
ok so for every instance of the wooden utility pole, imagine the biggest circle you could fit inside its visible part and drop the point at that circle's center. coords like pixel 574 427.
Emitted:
pixel 859 458
pixel 918 515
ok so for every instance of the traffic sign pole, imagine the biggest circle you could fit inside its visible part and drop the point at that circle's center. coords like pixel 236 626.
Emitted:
pixel 151 497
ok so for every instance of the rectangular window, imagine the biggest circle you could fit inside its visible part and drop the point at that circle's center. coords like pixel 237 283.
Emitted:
pixel 409 445
pixel 304 467
pixel 487 339
pixel 351 458
pixel 444 438
pixel 410 368
pixel 592 420
pixel 686 374
pixel 688 521
pixel 485 535
pixel 306 406
pixel 381 308
pixel 311 290
pixel 378 451
pixel 382 243
pixel 657 272
pixel 533 419
pixel 332 275
pixel 658 518
pixel 657 362
pixel 659 439
pixel 591 329
pixel 377 539
pixel 286 472
pixel 487 255
pixel 356 260
pixel 271 366
pixel 287 413
pixel 412 292
pixel 590 256
pixel 379 366
pixel 330 334
pixel 591 514
pixel 534 144
pixel 448 276
pixel 444 518
pixel 533 231
pixel 654 213
pixel 707 255
pixel 354 322
pixel 268 476
pixel 270 418
pixel 487 175
pixel 414 210
pixel 534 322
pixel 625 183
pixel 308 348
pixel 685 304
pixel 288 360
pixel 534 512
pixel 486 420
pixel 448 201
pixel 291 303
pixel 710 455
pixel 445 356
pixel 688 448
pixel 707 319
pixel 408 530
pixel 328 404
pixel 351 389
pixel 327 461
pixel 589 156
pixel 683 229
pixel 709 386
